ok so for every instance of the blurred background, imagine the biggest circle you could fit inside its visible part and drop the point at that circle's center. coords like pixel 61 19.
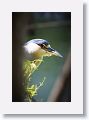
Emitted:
pixel 56 28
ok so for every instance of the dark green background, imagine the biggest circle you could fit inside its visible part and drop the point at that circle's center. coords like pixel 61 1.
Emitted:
pixel 59 38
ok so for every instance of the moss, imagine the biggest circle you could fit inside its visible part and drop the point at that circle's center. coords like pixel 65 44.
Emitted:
pixel 28 68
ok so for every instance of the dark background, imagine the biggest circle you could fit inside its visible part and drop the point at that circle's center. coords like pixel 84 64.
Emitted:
pixel 54 27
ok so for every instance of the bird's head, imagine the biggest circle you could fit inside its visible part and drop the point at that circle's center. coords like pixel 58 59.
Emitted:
pixel 38 48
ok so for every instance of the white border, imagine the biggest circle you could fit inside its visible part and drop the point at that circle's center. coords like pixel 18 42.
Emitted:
pixel 6 104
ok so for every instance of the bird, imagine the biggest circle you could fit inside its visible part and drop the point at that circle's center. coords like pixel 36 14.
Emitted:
pixel 34 52
pixel 38 48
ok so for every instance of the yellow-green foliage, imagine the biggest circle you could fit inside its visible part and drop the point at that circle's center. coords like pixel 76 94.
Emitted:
pixel 32 91
pixel 29 67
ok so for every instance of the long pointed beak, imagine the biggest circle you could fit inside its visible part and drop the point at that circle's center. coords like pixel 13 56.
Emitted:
pixel 57 54
pixel 54 52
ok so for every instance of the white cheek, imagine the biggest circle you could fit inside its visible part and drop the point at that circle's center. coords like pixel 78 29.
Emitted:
pixel 31 48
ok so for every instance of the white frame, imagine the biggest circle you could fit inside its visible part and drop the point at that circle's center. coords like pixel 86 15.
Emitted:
pixel 76 104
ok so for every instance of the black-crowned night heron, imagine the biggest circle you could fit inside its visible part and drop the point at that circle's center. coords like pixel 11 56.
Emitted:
pixel 38 48
pixel 34 51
